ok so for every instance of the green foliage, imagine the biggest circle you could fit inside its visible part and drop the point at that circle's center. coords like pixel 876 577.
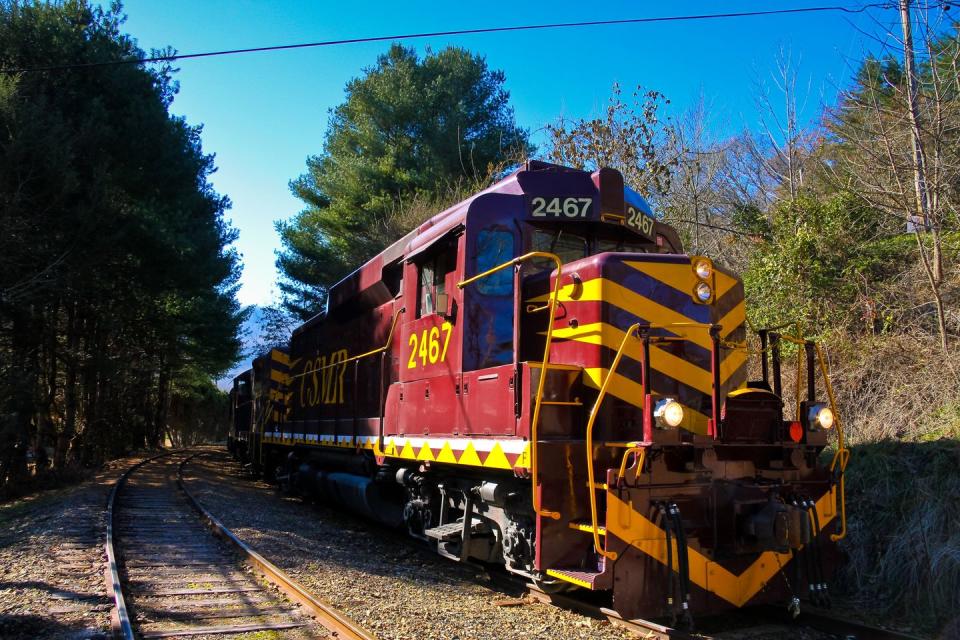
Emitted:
pixel 408 127
pixel 116 275
pixel 801 273
pixel 750 219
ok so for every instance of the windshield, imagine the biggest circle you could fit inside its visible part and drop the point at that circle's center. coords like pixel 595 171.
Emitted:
pixel 619 245
pixel 569 246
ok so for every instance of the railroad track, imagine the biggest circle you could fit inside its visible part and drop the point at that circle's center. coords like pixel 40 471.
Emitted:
pixel 171 576
pixel 764 620
pixel 748 624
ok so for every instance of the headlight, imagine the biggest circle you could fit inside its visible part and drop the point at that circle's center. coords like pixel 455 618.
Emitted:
pixel 704 293
pixel 703 269
pixel 825 418
pixel 820 415
pixel 669 412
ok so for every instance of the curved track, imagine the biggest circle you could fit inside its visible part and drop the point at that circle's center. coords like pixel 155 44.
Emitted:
pixel 170 577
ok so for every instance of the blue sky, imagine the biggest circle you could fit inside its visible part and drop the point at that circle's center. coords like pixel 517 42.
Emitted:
pixel 264 113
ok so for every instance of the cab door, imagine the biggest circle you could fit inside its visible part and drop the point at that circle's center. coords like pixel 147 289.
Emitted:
pixel 490 374
pixel 429 400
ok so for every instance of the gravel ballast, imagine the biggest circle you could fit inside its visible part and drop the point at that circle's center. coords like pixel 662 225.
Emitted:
pixel 52 562
pixel 390 586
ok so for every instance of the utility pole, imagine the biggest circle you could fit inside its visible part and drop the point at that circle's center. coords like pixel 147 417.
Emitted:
pixel 922 212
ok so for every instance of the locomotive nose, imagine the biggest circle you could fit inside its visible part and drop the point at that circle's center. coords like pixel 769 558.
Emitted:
pixel 679 297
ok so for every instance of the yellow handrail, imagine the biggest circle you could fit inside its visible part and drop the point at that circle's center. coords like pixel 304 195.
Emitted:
pixel 545 366
pixel 637 448
pixel 372 352
pixel 590 422
pixel 842 455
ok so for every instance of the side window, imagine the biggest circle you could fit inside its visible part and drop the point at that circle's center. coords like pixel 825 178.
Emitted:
pixel 494 247
pixel 491 309
pixel 432 279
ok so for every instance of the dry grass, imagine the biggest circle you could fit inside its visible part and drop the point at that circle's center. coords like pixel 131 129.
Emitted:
pixel 899 396
pixel 898 387
pixel 904 531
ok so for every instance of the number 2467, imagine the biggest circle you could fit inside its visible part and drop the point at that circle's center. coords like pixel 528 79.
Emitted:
pixel 426 346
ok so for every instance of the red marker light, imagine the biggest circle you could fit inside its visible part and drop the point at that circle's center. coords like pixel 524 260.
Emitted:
pixel 796 431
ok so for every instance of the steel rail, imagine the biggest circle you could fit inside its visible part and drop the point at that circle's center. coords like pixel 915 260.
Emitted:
pixel 120 617
pixel 335 621
pixel 810 618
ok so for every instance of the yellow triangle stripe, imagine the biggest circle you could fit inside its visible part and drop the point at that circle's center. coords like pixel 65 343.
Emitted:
pixel 425 453
pixel 496 459
pixel 446 454
pixel 408 452
pixel 470 457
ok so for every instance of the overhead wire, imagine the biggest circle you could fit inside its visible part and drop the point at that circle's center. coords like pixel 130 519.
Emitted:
pixel 453 32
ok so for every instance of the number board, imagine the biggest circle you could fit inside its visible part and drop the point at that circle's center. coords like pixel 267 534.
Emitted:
pixel 640 221
pixel 561 207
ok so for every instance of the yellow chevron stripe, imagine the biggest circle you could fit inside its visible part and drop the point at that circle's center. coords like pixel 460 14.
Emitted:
pixel 636 530
pixel 279 376
pixel 724 283
pixel 734 318
pixel 280 357
pixel 678 276
pixel 603 290
pixel 592 291
pixel 601 333
pixel 630 391
pixel 589 292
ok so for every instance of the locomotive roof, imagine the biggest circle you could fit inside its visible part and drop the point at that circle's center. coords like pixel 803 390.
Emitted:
pixel 435 227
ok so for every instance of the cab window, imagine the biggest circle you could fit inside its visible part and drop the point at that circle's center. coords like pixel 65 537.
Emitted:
pixel 619 246
pixel 494 247
pixel 489 343
pixel 432 278
pixel 568 246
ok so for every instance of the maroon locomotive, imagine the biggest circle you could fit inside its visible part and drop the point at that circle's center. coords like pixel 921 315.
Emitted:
pixel 540 377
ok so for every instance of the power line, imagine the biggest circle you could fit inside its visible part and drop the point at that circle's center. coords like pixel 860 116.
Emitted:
pixel 457 32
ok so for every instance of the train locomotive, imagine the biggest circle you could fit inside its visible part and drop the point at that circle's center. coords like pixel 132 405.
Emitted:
pixel 540 377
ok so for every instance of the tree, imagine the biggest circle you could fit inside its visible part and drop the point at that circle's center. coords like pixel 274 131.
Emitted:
pixel 895 143
pixel 116 275
pixel 408 127
pixel 629 137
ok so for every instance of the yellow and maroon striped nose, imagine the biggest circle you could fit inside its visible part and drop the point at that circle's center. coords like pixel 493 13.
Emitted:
pixel 618 290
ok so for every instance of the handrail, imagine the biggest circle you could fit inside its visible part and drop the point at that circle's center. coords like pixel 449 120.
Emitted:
pixel 590 422
pixel 372 352
pixel 552 304
pixel 639 448
pixel 842 455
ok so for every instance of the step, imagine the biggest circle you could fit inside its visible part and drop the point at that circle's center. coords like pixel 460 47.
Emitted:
pixel 453 531
pixel 579 525
pixel 593 580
